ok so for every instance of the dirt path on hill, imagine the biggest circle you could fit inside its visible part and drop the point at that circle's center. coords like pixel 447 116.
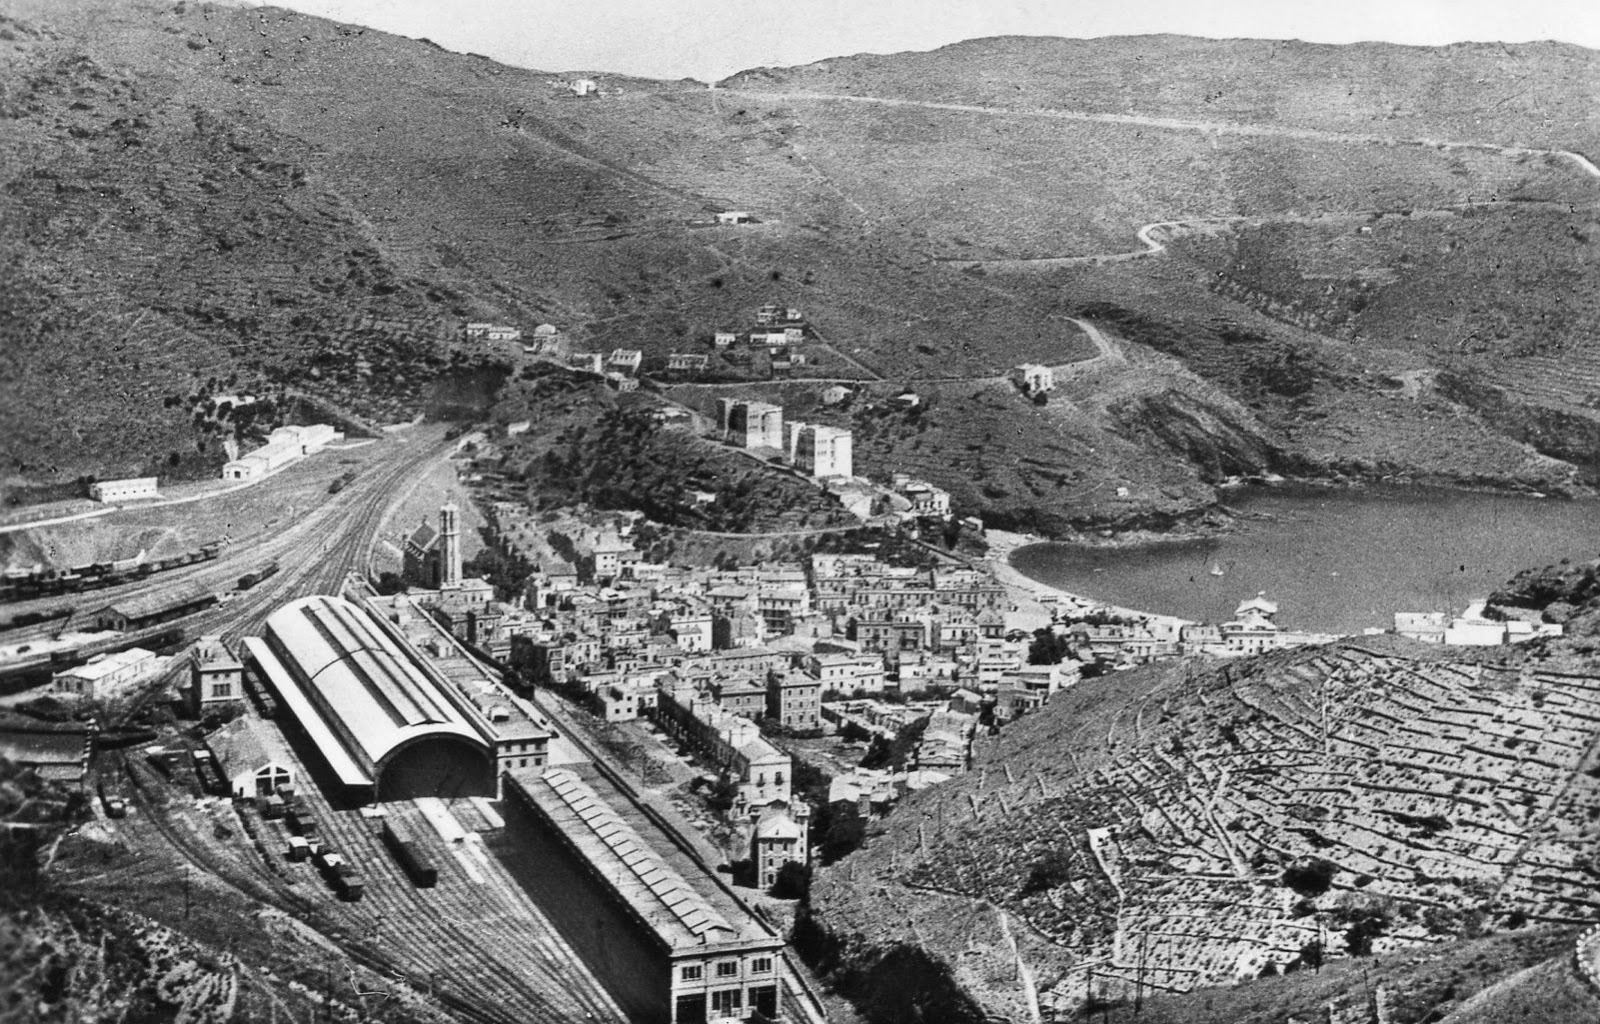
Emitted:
pixel 1153 236
pixel 1582 163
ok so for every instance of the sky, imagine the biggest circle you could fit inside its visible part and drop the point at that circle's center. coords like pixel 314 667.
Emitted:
pixel 711 39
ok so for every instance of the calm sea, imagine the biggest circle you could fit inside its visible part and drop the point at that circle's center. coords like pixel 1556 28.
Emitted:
pixel 1333 560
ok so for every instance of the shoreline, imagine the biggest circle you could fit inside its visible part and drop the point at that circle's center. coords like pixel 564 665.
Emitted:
pixel 1043 597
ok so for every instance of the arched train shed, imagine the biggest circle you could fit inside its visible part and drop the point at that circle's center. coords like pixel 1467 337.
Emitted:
pixel 387 727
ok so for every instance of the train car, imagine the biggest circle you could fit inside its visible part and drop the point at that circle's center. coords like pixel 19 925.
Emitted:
pixel 250 579
pixel 410 857
pixel 350 887
pixel 206 770
pixel 271 806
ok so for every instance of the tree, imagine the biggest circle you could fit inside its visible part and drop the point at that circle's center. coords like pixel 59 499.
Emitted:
pixel 723 794
pixel 1310 876
pixel 843 833
pixel 1048 647
pixel 390 583
pixel 793 881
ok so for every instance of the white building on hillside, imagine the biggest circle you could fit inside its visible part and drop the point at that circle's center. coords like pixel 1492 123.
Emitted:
pixel 130 489
pixel 284 445
pixel 820 450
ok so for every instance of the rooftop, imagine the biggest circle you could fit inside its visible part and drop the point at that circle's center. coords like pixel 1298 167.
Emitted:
pixel 679 916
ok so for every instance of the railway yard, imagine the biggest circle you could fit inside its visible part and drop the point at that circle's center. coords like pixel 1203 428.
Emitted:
pixel 464 924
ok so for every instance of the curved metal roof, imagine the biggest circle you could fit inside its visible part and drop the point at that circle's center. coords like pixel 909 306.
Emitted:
pixel 373 693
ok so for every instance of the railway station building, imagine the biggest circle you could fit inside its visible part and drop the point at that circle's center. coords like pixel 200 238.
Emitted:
pixel 714 960
pixel 390 721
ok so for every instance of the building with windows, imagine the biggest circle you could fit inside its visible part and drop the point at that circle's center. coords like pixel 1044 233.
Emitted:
pixel 106 675
pixel 216 677
pixel 253 757
pixel 763 773
pixel 794 700
pixel 131 489
pixel 750 424
pixel 779 838
pixel 820 450
pixel 1033 379
pixel 625 360
pixel 717 960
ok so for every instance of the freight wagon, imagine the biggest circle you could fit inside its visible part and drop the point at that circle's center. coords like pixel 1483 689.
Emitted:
pixel 409 856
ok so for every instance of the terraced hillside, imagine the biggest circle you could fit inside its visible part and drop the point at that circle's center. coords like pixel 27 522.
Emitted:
pixel 204 198
pixel 1186 825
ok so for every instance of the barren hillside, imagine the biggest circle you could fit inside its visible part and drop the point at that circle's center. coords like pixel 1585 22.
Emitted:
pixel 205 199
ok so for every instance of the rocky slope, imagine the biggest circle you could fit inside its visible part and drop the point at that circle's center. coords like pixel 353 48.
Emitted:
pixel 1190 825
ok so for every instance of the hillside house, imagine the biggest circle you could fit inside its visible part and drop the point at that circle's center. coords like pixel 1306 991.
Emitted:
pixel 1033 379
pixel 820 451
pixel 587 362
pixel 583 87
pixel 835 394
pixel 734 217
pixel 723 339
pixel 925 498
pixel 621 382
pixel 284 445
pixel 130 489
pixel 625 360
pixel 749 424
pixel 694 362
pixel 610 555
pixel 491 332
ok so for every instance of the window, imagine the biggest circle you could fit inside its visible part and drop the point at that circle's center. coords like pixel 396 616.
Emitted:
pixel 222 689
pixel 761 965
pixel 691 972
pixel 727 1001
pixel 728 969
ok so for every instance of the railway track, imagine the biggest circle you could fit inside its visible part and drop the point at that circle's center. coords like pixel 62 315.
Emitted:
pixel 332 537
